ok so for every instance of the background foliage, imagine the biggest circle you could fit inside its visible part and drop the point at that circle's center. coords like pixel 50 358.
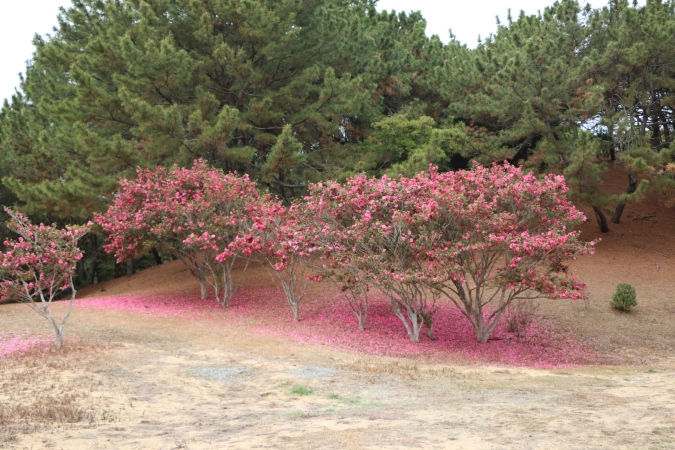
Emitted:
pixel 293 92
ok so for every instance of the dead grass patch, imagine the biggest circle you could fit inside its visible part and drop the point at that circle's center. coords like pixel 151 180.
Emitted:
pixel 41 388
pixel 376 367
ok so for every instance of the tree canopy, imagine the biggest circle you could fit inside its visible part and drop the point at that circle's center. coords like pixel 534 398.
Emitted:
pixel 293 92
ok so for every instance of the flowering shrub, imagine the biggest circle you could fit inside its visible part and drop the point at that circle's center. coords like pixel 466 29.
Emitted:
pixel 369 230
pixel 39 266
pixel 481 238
pixel 280 239
pixel 193 214
pixel 499 235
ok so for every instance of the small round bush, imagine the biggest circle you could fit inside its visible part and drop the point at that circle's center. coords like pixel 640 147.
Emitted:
pixel 624 297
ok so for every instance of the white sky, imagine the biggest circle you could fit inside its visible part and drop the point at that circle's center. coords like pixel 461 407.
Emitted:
pixel 21 19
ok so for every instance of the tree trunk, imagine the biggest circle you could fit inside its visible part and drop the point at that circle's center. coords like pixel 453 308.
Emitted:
pixel 428 321
pixel 296 312
pixel 482 335
pixel 131 267
pixel 93 260
pixel 81 275
pixel 632 185
pixel 58 331
pixel 228 288
pixel 155 254
pixel 656 136
pixel 602 220
pixel 202 285
pixel 119 270
pixel 612 148
pixel 58 343
pixel 414 327
pixel 666 130
pixel 93 270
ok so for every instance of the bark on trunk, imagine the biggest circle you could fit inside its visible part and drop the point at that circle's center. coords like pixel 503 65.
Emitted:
pixel 228 289
pixel 656 136
pixel 296 312
pixel 155 254
pixel 119 270
pixel 414 326
pixel 428 321
pixel 482 336
pixel 612 149
pixel 362 323
pixel 58 332
pixel 131 267
pixel 58 329
pixel 602 220
pixel 202 285
pixel 632 185
pixel 666 131
pixel 93 260
pixel 58 343
pixel 81 275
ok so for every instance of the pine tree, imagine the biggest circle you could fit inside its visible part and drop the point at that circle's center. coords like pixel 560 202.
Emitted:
pixel 525 91
pixel 126 84
pixel 634 55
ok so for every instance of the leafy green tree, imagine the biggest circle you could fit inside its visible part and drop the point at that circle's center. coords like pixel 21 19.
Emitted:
pixel 634 56
pixel 126 84
pixel 400 145
pixel 527 93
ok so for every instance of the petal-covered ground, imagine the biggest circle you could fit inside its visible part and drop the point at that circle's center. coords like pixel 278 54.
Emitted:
pixel 329 321
pixel 19 344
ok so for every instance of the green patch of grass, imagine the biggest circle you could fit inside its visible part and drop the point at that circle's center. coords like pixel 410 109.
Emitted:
pixel 301 390
pixel 333 395
pixel 358 401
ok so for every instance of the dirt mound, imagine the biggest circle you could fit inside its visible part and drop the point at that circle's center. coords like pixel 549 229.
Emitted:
pixel 172 276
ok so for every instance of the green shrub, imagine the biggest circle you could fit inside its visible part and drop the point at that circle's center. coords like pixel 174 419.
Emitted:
pixel 624 297
pixel 300 390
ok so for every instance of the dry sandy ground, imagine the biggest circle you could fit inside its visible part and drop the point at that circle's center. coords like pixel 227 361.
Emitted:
pixel 149 386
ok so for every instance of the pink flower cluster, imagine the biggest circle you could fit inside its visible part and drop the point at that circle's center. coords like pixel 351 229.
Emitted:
pixel 40 263
pixel 479 238
pixel 193 214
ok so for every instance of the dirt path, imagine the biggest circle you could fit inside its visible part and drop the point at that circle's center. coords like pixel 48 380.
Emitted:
pixel 155 390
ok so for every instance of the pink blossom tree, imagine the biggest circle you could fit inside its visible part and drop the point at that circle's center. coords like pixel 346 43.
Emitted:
pixel 499 234
pixel 40 266
pixel 280 239
pixel 193 214
pixel 366 229
pixel 481 238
